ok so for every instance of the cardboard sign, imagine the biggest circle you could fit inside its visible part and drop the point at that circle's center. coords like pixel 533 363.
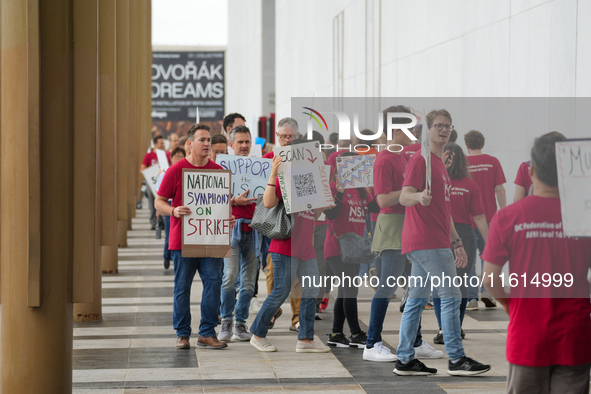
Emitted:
pixel 206 231
pixel 162 159
pixel 356 171
pixel 300 178
pixel 248 173
pixel 151 176
pixel 573 162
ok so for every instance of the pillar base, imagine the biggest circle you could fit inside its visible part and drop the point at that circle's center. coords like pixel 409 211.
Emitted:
pixel 122 233
pixel 109 259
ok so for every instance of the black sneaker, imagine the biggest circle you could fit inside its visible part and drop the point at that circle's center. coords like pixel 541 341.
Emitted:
pixel 466 367
pixel 337 340
pixel 358 341
pixel 413 368
pixel 438 339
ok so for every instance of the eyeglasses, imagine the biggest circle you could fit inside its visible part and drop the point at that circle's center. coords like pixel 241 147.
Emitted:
pixel 220 152
pixel 283 137
pixel 441 126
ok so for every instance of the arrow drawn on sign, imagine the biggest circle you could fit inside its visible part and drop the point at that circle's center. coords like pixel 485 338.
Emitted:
pixel 312 159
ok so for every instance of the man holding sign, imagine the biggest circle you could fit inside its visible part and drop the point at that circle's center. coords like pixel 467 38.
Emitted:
pixel 210 269
pixel 243 258
pixel 150 159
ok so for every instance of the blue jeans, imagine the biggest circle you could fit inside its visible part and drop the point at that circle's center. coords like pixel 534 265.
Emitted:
pixel 167 254
pixel 393 263
pixel 425 263
pixel 285 270
pixel 210 272
pixel 473 291
pixel 243 260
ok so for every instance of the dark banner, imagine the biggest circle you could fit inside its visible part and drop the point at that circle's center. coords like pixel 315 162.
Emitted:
pixel 183 81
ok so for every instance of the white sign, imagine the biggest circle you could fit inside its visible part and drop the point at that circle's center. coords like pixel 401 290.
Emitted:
pixel 207 194
pixel 162 159
pixel 573 162
pixel 356 171
pixel 248 173
pixel 300 178
pixel 151 176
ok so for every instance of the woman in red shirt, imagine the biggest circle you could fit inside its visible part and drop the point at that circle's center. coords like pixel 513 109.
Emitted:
pixel 348 216
pixel 465 204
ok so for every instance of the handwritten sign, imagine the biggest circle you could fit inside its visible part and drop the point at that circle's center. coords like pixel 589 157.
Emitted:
pixel 300 177
pixel 573 162
pixel 248 173
pixel 356 171
pixel 151 176
pixel 206 231
pixel 162 159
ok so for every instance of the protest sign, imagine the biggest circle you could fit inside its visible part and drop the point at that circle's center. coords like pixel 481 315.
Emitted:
pixel 573 162
pixel 300 178
pixel 249 173
pixel 206 231
pixel 355 171
pixel 151 176
pixel 162 159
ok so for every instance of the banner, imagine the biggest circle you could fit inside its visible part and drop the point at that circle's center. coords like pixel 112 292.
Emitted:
pixel 300 178
pixel 249 173
pixel 183 81
pixel 206 231
pixel 573 162
pixel 356 171
pixel 151 176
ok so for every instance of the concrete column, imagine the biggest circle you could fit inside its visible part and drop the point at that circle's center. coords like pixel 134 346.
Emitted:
pixel 36 196
pixel 123 157
pixel 108 135
pixel 87 224
pixel 134 126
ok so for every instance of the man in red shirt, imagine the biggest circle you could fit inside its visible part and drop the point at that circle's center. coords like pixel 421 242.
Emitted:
pixel 488 174
pixel 243 260
pixel 210 269
pixel 149 160
pixel 548 339
pixel 428 235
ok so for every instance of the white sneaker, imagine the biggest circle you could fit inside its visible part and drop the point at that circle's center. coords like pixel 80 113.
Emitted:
pixel 262 345
pixel 379 353
pixel 489 302
pixel 312 347
pixel 472 305
pixel 255 306
pixel 426 351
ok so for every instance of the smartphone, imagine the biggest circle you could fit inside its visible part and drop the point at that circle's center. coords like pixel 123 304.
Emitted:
pixel 451 152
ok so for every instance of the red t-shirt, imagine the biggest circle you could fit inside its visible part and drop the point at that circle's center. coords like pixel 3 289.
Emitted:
pixel 246 212
pixel 269 155
pixel 410 150
pixel 388 176
pixel 349 220
pixel 523 179
pixel 487 172
pixel 465 200
pixel 301 238
pixel 172 188
pixel 427 227
pixel 542 331
pixel 150 159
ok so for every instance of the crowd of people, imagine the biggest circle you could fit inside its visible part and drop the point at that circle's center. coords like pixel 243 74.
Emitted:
pixel 417 228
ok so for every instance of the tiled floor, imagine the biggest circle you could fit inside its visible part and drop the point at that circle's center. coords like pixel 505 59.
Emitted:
pixel 132 349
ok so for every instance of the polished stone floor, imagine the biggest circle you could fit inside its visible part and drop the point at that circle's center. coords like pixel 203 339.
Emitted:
pixel 132 350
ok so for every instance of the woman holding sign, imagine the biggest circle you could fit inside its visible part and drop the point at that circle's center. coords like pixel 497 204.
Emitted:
pixel 348 216
pixel 289 263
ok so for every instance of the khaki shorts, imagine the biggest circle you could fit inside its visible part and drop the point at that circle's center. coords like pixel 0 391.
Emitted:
pixel 388 232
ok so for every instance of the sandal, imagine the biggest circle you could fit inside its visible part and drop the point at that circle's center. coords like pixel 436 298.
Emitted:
pixel 274 318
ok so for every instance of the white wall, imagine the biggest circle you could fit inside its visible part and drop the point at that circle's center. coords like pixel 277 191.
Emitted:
pixel 243 59
pixel 428 48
